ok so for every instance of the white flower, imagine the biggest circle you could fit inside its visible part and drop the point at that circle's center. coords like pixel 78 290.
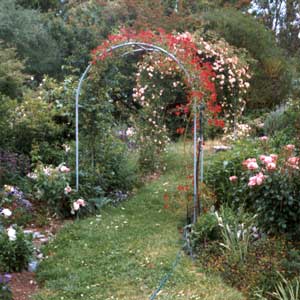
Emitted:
pixel 6 212
pixel 12 234
pixel 64 169
pixel 76 206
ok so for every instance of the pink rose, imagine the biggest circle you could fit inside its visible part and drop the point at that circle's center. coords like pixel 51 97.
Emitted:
pixel 262 158
pixel 271 166
pixel 252 166
pixel 247 161
pixel 274 157
pixel 233 178
pixel 81 202
pixel 290 147
pixel 268 159
pixel 68 189
pixel 264 138
pixel 293 160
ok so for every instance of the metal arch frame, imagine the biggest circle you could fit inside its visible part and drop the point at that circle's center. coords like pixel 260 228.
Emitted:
pixel 141 47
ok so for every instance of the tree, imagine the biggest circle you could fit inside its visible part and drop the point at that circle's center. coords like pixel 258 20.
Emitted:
pixel 24 29
pixel 11 73
pixel 283 18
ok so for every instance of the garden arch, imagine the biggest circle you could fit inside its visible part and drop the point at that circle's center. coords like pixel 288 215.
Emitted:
pixel 134 47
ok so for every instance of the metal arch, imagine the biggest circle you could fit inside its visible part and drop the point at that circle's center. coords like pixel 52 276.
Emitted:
pixel 140 47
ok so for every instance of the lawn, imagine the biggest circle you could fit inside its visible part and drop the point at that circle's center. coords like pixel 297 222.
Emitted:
pixel 125 251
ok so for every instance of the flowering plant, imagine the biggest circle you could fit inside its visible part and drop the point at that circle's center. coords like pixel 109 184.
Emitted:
pixel 16 248
pixel 51 184
pixel 269 185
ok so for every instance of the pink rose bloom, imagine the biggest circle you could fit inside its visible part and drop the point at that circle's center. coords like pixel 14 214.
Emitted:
pixel 290 147
pixel 233 178
pixel 271 166
pixel 252 166
pixel 293 160
pixel 268 160
pixel 258 179
pixel 262 158
pixel 68 189
pixel 247 161
pixel 264 138
pixel 81 202
pixel 274 157
pixel 64 169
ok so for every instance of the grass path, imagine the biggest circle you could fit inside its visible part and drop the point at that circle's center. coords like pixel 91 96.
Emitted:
pixel 124 253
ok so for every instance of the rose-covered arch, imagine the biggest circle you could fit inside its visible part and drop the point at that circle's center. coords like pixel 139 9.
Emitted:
pixel 197 75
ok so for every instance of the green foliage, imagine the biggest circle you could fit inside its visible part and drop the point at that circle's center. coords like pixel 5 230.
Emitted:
pixel 205 230
pixel 49 187
pixel 222 165
pixel 11 73
pixel 24 29
pixel 14 254
pixel 236 231
pixel 287 290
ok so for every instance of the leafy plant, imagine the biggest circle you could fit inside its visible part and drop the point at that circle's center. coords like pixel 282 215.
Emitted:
pixel 236 233
pixel 16 249
pixel 287 290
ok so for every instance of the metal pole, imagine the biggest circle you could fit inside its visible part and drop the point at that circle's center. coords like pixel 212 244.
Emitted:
pixel 202 107
pixel 77 123
pixel 195 164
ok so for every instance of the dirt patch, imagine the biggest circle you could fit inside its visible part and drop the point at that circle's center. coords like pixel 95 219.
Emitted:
pixel 23 285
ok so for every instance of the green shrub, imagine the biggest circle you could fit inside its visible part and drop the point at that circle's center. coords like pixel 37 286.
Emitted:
pixel 205 230
pixel 15 250
pixel 222 165
pixel 50 186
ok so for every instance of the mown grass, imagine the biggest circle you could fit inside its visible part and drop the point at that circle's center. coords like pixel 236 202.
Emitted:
pixel 124 252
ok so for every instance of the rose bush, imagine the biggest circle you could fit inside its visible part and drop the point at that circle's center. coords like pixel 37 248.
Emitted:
pixel 269 186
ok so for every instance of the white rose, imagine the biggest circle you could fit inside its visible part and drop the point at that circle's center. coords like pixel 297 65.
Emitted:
pixel 12 234
pixel 6 212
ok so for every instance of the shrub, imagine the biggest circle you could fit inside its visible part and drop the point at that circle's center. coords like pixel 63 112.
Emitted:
pixel 206 229
pixel 16 250
pixel 51 185
pixel 222 165
pixel 270 187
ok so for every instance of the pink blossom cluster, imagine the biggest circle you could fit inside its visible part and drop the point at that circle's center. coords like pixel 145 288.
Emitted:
pixel 293 162
pixel 270 161
pixel 258 179
pixel 250 164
